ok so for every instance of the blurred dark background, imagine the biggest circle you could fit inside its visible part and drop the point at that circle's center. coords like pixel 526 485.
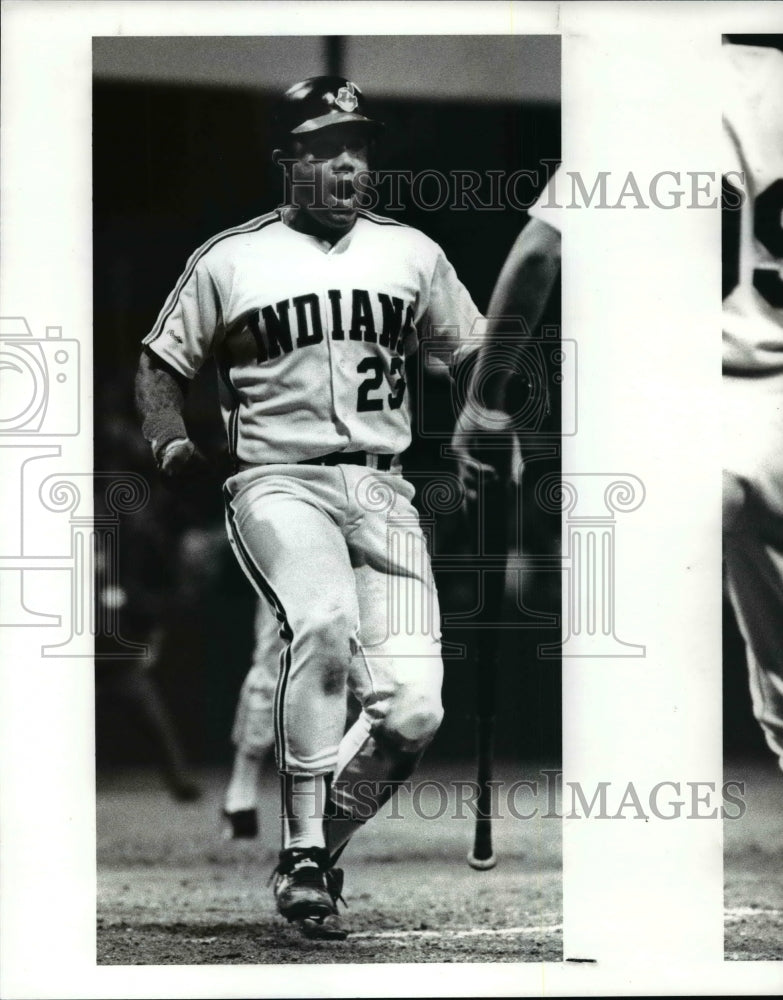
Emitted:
pixel 180 152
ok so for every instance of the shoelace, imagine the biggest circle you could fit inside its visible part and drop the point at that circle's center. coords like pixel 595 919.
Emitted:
pixel 334 884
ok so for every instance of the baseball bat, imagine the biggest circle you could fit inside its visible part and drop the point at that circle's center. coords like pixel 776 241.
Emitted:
pixel 491 518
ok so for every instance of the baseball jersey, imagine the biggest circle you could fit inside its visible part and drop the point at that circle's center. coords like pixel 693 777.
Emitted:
pixel 547 208
pixel 753 235
pixel 310 340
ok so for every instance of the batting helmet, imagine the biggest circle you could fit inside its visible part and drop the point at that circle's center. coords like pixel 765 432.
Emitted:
pixel 320 102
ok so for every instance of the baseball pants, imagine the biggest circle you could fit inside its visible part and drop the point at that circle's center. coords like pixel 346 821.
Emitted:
pixel 339 555
pixel 753 537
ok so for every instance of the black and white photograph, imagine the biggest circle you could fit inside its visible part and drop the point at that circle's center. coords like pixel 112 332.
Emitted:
pixel 390 560
pixel 319 674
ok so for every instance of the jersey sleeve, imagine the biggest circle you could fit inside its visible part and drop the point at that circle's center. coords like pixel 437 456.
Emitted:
pixel 451 325
pixel 190 323
pixel 547 208
pixel 450 312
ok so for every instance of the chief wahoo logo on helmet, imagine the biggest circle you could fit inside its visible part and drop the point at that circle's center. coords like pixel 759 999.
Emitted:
pixel 346 99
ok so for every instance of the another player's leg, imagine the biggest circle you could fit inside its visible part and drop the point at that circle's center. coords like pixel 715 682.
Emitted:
pixel 400 716
pixel 753 537
pixel 295 554
pixel 754 572
pixel 253 732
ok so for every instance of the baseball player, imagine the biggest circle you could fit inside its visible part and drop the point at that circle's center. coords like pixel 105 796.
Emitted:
pixel 310 311
pixel 753 367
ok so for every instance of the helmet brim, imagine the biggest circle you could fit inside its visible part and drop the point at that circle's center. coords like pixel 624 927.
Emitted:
pixel 335 118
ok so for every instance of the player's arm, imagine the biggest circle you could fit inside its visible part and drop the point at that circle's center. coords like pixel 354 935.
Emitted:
pixel 516 306
pixel 160 400
pixel 183 336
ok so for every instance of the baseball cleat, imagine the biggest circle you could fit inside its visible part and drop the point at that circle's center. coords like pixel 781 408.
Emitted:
pixel 241 824
pixel 329 928
pixel 307 890
pixel 300 886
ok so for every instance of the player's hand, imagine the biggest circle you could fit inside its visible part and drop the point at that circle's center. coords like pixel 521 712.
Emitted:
pixel 475 461
pixel 180 458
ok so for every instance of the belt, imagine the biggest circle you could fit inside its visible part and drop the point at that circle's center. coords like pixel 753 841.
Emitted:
pixel 381 462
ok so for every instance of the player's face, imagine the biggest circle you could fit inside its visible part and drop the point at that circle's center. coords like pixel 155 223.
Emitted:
pixel 324 174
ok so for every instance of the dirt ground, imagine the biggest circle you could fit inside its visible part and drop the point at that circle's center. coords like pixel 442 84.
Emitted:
pixel 171 891
pixel 753 866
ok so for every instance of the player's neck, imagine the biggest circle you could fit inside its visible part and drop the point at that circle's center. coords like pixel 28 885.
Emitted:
pixel 303 222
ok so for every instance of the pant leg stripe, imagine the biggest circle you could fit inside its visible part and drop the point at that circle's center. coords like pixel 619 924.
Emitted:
pixel 282 684
pixel 264 588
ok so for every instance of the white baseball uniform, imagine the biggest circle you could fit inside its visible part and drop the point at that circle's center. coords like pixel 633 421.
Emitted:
pixel 753 368
pixel 310 343
pixel 548 207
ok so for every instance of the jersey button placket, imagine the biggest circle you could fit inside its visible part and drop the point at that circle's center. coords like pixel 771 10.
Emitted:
pixel 336 361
